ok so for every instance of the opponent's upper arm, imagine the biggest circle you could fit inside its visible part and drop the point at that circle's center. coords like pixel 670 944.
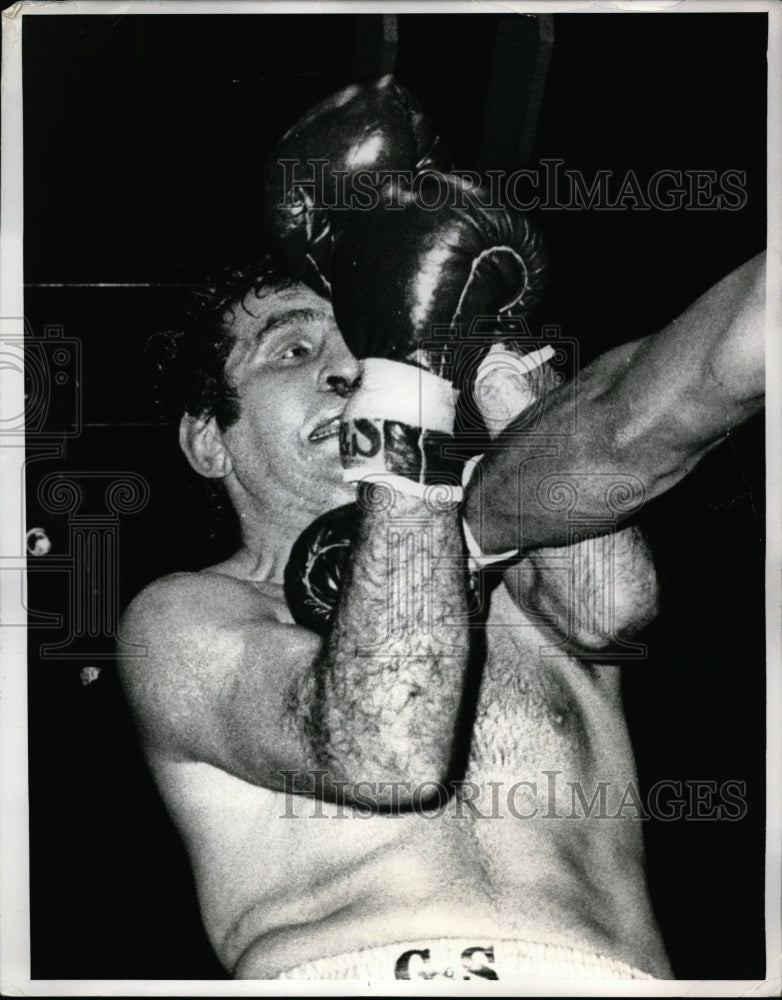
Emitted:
pixel 644 413
pixel 216 678
pixel 596 594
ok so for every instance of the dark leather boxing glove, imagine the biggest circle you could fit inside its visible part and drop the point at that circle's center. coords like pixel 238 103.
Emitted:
pixel 406 280
pixel 405 283
pixel 413 284
pixel 409 280
pixel 329 164
pixel 315 569
pixel 333 156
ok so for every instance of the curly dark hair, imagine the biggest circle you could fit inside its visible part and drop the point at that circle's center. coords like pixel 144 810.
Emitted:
pixel 190 378
pixel 190 361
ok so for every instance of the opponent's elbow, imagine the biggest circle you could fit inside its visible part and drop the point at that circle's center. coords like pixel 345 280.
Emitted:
pixel 410 774
pixel 621 623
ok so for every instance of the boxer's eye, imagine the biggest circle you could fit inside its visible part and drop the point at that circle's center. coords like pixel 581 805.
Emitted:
pixel 293 352
pixel 298 351
pixel 292 338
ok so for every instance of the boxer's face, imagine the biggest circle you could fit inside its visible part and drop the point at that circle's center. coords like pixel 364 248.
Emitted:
pixel 287 359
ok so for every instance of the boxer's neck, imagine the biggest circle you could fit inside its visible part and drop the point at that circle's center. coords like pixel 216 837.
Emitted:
pixel 268 532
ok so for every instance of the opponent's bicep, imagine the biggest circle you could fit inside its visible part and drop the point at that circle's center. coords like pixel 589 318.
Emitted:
pixel 217 681
pixel 595 593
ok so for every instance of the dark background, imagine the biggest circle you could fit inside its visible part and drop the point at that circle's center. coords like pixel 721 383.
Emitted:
pixel 144 140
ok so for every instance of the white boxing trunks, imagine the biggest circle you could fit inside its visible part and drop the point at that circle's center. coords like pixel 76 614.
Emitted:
pixel 460 959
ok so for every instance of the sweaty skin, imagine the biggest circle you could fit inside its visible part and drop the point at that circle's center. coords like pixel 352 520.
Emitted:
pixel 284 879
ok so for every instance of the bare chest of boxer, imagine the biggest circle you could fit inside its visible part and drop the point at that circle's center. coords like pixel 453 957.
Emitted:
pixel 539 843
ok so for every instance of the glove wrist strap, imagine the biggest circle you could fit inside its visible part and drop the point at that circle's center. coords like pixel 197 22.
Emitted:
pixel 414 458
pixel 397 429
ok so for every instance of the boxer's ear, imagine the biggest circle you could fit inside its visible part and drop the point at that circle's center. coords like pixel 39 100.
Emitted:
pixel 203 444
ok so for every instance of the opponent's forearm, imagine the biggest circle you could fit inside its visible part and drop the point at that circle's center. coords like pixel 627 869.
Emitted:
pixel 388 684
pixel 645 413
pixel 688 385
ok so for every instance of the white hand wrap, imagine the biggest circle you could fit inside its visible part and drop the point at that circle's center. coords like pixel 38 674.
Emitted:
pixel 502 385
pixel 406 394
pixel 393 394
pixel 502 392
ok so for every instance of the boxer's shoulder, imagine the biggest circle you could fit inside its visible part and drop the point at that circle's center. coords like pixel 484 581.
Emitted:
pixel 193 644
pixel 186 603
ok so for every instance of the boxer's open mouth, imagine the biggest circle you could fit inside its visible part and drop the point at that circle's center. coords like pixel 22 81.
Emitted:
pixel 325 430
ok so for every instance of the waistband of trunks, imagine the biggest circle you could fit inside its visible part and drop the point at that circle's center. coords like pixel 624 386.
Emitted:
pixel 459 959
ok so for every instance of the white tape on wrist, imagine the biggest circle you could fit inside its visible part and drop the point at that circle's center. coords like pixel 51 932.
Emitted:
pixel 503 387
pixel 392 390
pixel 477 558
pixel 504 372
pixel 521 364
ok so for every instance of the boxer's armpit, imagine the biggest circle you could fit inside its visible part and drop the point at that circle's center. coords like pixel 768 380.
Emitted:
pixel 220 679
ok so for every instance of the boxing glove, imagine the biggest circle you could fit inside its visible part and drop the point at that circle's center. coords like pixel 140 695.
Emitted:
pixel 315 569
pixel 413 284
pixel 330 164
pixel 405 283
pixel 411 281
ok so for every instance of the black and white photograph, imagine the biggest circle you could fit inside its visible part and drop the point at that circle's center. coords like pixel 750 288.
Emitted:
pixel 387 586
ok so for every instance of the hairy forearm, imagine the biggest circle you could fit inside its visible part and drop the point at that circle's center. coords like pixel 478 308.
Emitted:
pixel 641 416
pixel 386 691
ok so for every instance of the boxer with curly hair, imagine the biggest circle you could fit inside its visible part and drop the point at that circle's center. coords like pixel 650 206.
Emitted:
pixel 410 785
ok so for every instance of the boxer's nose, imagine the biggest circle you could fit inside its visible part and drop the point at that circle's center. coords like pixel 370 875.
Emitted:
pixel 340 371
